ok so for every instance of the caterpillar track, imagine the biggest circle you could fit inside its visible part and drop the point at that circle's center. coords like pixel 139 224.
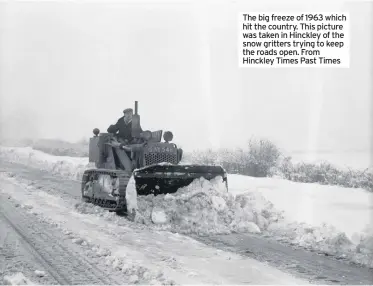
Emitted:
pixel 93 192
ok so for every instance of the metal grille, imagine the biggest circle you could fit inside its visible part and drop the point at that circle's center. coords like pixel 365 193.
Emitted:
pixel 156 158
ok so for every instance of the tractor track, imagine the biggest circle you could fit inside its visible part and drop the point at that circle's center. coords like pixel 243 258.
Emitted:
pixel 305 264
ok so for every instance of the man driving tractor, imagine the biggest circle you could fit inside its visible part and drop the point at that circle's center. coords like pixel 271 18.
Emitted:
pixel 123 128
pixel 123 133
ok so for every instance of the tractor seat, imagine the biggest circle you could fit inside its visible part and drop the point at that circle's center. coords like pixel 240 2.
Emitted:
pixel 156 136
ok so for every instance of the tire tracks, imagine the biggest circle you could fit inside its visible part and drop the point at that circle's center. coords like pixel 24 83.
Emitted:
pixel 64 261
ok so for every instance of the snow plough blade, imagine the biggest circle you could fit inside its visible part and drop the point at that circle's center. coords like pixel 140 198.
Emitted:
pixel 167 178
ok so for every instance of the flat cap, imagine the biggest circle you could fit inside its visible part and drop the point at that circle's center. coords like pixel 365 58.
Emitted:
pixel 128 110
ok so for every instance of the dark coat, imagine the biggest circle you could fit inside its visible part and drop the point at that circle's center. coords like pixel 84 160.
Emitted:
pixel 124 130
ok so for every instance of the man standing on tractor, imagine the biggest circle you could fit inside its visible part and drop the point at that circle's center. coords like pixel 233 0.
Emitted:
pixel 123 128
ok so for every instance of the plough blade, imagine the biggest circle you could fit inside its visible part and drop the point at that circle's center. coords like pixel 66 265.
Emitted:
pixel 163 178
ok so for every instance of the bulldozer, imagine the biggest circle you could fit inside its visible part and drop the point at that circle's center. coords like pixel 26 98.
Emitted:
pixel 153 165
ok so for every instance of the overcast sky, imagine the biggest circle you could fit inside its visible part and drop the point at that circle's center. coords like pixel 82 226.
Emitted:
pixel 66 68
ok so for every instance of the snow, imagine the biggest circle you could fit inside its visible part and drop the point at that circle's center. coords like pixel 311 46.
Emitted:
pixel 146 255
pixel 70 167
pixel 329 219
pixel 348 210
pixel 17 279
pixel 159 216
pixel 105 183
pixel 39 273
pixel 205 207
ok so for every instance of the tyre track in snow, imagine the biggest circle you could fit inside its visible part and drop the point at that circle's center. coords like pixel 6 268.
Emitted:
pixel 61 259
pixel 33 248
pixel 39 246
pixel 304 264
pixel 18 256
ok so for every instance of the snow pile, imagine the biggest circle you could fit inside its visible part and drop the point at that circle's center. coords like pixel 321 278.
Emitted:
pixel 17 279
pixel 69 167
pixel 205 207
pixel 364 247
pixel 326 239
pixel 39 273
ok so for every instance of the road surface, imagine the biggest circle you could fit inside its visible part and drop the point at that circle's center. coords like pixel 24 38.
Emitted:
pixel 43 254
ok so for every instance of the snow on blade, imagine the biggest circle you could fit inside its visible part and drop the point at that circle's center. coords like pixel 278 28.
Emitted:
pixel 205 207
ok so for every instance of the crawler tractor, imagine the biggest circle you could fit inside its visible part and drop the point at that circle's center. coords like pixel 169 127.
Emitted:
pixel 154 165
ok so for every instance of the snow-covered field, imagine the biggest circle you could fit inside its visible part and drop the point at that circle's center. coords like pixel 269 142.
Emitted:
pixel 331 219
pixel 349 210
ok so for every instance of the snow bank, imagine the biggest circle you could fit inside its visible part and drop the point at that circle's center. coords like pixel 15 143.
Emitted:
pixel 330 219
pixel 348 210
pixel 70 167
